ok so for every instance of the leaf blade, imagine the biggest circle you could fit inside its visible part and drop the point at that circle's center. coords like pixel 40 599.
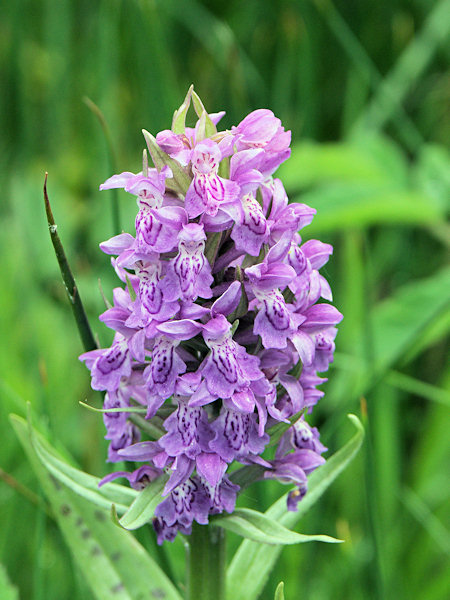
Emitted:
pixel 113 563
pixel 143 507
pixel 252 563
pixel 256 526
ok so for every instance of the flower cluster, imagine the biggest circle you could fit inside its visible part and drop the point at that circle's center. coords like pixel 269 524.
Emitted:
pixel 220 326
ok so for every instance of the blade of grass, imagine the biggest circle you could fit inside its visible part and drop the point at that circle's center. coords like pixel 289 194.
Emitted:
pixel 218 38
pixel 368 70
pixel 432 525
pixel 112 159
pixel 408 68
pixel 79 313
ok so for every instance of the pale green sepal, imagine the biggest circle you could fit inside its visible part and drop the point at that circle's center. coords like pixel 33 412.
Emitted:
pixel 205 128
pixel 224 166
pixel 260 528
pixel 130 288
pixel 234 326
pixel 242 307
pixel 198 104
pixel 279 592
pixel 179 117
pixel 112 562
pixel 79 482
pixel 180 181
pixel 143 508
pixel 212 246
pixel 253 562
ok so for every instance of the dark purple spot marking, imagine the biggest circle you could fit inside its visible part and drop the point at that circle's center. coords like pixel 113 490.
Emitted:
pixel 162 362
pixel 112 360
pixel 236 430
pixel 147 229
pixel 277 314
pixel 225 359
pixel 188 419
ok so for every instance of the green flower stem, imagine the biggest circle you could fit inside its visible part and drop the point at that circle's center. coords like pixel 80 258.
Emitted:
pixel 206 563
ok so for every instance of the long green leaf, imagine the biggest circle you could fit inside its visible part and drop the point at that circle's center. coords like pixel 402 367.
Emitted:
pixel 82 483
pixel 113 563
pixel 143 507
pixel 252 563
pixel 258 527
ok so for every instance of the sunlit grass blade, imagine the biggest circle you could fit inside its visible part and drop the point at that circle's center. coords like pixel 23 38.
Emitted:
pixel 432 525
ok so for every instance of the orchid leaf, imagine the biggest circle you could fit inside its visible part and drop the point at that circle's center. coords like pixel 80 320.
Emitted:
pixel 113 563
pixel 206 127
pixel 260 528
pixel 143 507
pixel 253 561
pixel 180 181
pixel 198 104
pixel 79 482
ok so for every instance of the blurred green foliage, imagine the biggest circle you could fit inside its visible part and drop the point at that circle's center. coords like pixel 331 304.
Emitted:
pixel 364 87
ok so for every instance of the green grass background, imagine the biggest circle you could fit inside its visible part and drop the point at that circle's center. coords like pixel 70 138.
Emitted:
pixel 364 87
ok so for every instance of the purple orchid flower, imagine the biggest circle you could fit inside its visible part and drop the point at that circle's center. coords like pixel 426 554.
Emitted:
pixel 223 322
pixel 189 273
pixel 207 190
